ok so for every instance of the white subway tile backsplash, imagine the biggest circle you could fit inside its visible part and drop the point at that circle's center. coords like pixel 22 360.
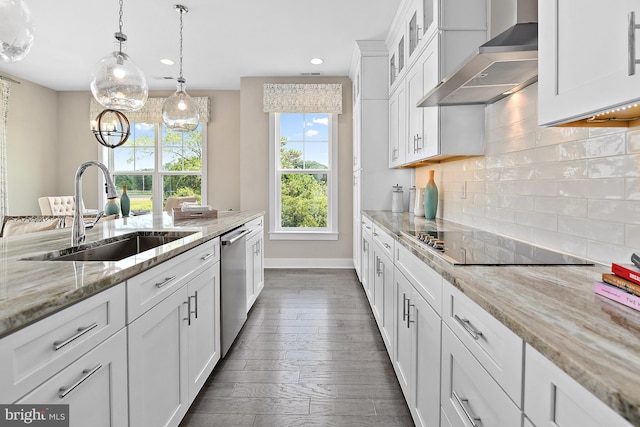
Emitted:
pixel 611 189
pixel 576 190
pixel 615 211
pixel 602 231
pixel 561 206
pixel 542 221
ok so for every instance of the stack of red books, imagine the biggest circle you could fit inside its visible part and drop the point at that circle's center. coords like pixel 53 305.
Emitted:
pixel 621 285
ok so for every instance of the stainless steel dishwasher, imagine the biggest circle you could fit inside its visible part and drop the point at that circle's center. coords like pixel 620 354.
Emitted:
pixel 233 286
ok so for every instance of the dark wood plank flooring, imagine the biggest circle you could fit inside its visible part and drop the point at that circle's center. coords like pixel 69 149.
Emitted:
pixel 310 354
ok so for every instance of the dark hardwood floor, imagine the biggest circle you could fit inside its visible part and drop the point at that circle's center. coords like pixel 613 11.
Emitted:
pixel 310 354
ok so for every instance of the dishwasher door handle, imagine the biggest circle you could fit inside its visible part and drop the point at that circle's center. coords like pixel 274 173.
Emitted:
pixel 235 238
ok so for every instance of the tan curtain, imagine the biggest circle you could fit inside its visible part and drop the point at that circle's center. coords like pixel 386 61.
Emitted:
pixel 302 98
pixel 152 110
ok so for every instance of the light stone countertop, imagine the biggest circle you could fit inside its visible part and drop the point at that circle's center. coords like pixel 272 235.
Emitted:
pixel 32 290
pixel 554 309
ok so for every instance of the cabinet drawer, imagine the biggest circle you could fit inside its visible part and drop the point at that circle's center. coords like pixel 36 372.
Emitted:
pixel 367 225
pixel 469 392
pixel 423 278
pixel 95 386
pixel 255 223
pixel 495 346
pixel 553 399
pixel 385 240
pixel 31 355
pixel 152 286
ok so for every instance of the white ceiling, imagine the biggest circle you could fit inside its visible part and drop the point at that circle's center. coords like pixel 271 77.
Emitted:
pixel 223 40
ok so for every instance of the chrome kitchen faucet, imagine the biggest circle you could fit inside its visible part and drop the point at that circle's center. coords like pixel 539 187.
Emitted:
pixel 78 233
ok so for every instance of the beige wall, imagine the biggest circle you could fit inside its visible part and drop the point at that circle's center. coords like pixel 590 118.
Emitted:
pixel 32 151
pixel 254 170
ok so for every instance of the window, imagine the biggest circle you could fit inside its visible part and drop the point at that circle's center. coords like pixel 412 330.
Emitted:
pixel 303 185
pixel 156 163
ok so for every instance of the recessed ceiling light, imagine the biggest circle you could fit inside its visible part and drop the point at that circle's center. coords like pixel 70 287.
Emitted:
pixel 317 61
pixel 167 61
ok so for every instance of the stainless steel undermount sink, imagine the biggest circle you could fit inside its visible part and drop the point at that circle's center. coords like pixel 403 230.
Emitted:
pixel 113 249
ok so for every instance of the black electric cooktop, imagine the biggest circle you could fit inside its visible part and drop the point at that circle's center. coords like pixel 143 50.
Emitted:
pixel 478 247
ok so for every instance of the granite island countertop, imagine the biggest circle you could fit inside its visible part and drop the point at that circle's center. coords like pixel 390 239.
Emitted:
pixel 31 290
pixel 552 308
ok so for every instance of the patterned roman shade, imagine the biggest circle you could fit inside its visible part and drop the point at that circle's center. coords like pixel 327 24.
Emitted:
pixel 302 98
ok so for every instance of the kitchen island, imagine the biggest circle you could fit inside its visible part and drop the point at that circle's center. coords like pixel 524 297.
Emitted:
pixel 31 290
pixel 552 309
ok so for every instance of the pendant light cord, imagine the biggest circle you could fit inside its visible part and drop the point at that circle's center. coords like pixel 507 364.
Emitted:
pixel 120 36
pixel 181 11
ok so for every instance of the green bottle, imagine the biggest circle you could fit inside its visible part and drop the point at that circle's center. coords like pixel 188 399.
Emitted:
pixel 125 203
pixel 430 197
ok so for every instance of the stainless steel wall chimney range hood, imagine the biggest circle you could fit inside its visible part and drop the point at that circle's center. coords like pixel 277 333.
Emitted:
pixel 503 65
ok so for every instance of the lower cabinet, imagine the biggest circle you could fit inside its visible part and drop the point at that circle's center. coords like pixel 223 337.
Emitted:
pixel 555 399
pixel 172 350
pixel 255 261
pixel 469 395
pixel 383 294
pixel 158 367
pixel 416 357
pixel 94 386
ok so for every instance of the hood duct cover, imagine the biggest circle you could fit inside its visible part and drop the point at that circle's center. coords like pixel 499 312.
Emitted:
pixel 501 66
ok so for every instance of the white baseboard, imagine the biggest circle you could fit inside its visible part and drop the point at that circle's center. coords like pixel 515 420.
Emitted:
pixel 308 263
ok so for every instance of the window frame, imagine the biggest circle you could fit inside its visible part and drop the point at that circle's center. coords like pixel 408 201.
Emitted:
pixel 276 232
pixel 106 156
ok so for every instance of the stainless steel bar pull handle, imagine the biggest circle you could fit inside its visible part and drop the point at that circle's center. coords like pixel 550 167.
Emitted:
pixel 632 28
pixel 165 281
pixel 404 306
pixel 188 318
pixel 466 324
pixel 57 345
pixel 409 321
pixel 195 298
pixel 87 374
pixel 207 256
pixel 464 404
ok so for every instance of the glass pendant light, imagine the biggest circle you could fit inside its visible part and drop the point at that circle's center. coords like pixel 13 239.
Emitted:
pixel 179 111
pixel 16 30
pixel 116 81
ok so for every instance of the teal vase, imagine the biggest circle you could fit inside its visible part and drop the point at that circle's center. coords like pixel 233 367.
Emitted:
pixel 111 207
pixel 125 203
pixel 430 197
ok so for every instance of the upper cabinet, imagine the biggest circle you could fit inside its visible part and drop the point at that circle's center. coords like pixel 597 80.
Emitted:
pixel 587 61
pixel 437 39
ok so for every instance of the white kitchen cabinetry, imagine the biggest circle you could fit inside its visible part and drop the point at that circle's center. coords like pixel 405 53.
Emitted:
pixel 552 398
pixel 469 395
pixel 94 386
pixel 366 247
pixel 39 351
pixel 437 132
pixel 255 261
pixel 495 346
pixel 174 346
pixel 417 329
pixel 383 285
pixel 398 128
pixel 584 59
pixel 371 175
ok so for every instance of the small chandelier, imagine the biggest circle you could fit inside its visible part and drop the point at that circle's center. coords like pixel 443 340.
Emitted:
pixel 16 30
pixel 116 81
pixel 179 111
pixel 111 128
